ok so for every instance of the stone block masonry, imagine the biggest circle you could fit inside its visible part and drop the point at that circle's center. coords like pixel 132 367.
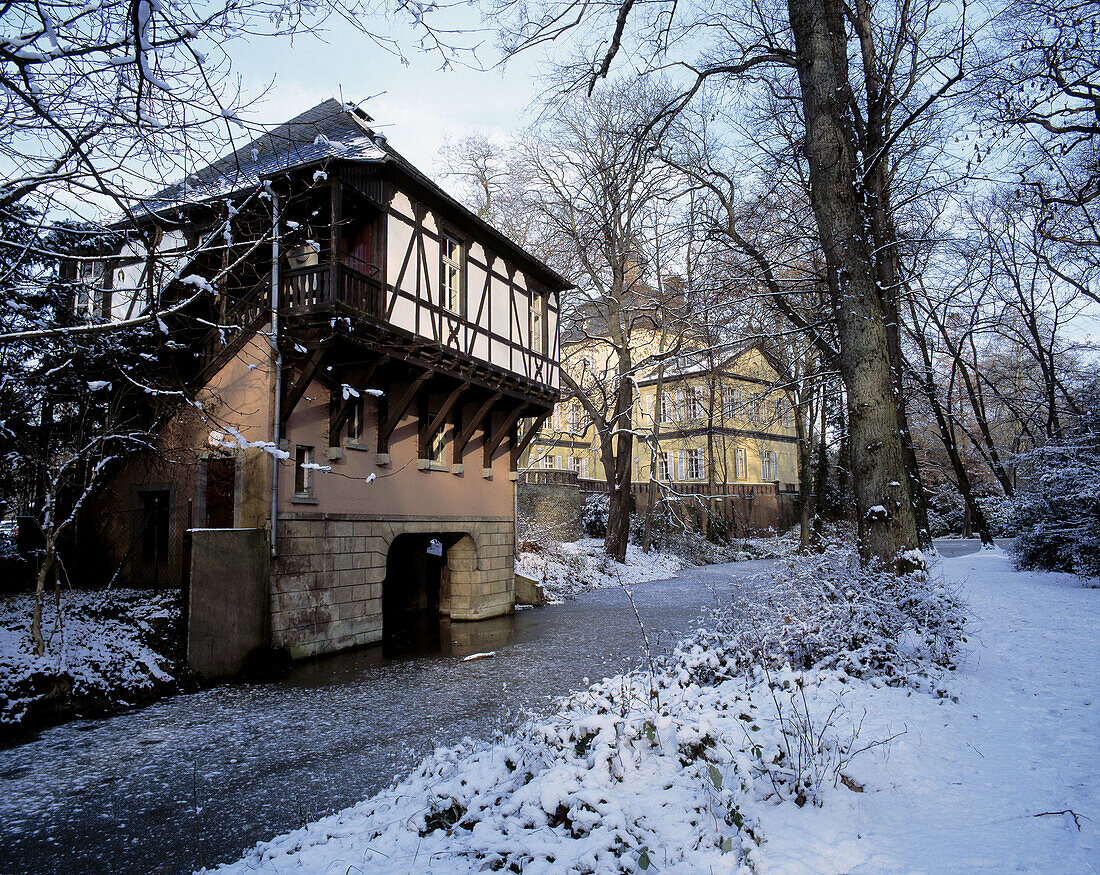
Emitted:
pixel 327 580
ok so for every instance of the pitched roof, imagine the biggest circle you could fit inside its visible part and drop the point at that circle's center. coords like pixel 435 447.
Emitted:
pixel 327 130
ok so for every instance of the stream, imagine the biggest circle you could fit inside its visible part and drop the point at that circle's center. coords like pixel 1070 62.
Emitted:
pixel 195 779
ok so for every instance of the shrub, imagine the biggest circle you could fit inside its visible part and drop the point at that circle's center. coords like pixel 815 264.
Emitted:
pixel 827 611
pixel 594 516
pixel 1058 512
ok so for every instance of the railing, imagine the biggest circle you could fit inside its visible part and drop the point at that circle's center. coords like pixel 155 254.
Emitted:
pixel 315 285
pixel 548 477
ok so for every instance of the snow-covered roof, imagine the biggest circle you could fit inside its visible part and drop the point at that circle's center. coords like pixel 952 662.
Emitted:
pixel 328 130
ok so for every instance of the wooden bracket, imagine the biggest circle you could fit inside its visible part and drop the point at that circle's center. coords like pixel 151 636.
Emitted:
pixel 439 419
pixel 340 409
pixel 397 410
pixel 529 435
pixel 468 432
pixel 298 388
pixel 498 437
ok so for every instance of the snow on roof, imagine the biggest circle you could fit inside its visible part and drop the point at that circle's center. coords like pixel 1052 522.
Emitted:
pixel 328 130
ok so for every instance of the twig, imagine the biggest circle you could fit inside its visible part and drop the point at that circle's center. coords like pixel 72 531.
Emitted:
pixel 1076 817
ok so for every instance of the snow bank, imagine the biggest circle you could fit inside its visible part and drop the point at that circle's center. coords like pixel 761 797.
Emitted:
pixel 717 764
pixel 105 650
pixel 563 570
pixel 979 778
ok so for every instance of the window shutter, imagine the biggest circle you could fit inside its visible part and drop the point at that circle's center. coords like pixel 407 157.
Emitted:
pixel 680 404
pixel 681 465
pixel 649 407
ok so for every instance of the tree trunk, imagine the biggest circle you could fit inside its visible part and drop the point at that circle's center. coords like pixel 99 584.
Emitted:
pixel 884 503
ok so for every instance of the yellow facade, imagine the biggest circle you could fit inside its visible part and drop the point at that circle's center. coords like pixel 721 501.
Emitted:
pixel 713 423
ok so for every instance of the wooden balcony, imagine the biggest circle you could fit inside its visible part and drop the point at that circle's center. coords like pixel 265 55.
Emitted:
pixel 321 286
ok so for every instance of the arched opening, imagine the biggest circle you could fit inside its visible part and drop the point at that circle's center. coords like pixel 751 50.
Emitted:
pixel 416 594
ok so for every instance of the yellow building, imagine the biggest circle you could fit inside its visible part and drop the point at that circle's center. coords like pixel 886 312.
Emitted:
pixel 714 430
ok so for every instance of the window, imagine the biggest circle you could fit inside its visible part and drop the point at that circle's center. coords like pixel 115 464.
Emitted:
pixel 437 445
pixel 537 334
pixel 668 407
pixel 788 414
pixel 696 464
pixel 154 526
pixel 557 462
pixel 574 418
pixel 769 465
pixel 695 405
pixel 450 253
pixel 546 461
pixel 665 465
pixel 574 464
pixel 741 465
pixel 304 463
pixel 729 405
pixel 355 422
pixel 584 467
pixel 757 412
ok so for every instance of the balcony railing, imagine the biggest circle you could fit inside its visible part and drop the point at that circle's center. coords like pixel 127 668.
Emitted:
pixel 325 284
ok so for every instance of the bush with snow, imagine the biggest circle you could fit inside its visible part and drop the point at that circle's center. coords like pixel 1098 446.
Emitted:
pixel 1057 512
pixel 566 569
pixel 827 611
pixel 105 651
pixel 594 516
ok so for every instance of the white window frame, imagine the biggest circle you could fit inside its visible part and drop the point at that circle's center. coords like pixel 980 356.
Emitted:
pixel 535 324
pixel 696 464
pixel 740 463
pixel 573 418
pixel 665 465
pixel 303 476
pixel 452 277
pixel 574 464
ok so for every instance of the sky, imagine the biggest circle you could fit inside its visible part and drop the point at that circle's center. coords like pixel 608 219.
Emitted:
pixel 417 105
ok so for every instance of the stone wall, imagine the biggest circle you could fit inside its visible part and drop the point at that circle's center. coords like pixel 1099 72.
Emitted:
pixel 549 502
pixel 227 599
pixel 327 582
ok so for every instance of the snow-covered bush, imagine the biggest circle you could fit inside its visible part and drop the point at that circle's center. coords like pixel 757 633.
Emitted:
pixel 827 611
pixel 945 513
pixel 594 516
pixel 1000 513
pixel 1058 510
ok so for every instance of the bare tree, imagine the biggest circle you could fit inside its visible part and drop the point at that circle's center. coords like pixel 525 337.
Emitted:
pixel 865 79
pixel 591 180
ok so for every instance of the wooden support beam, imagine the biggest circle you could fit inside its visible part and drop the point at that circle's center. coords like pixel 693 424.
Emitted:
pixel 498 437
pixel 468 431
pixel 529 435
pixel 398 409
pixel 438 420
pixel 340 408
pixel 297 389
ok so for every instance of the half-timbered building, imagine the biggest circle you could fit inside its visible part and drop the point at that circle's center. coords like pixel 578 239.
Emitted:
pixel 366 360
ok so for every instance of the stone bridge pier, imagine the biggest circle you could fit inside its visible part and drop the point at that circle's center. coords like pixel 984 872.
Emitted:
pixel 337 577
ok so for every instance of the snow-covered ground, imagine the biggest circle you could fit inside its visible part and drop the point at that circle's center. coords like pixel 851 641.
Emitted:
pixel 564 569
pixel 572 567
pixel 974 784
pixel 105 650
pixel 703 769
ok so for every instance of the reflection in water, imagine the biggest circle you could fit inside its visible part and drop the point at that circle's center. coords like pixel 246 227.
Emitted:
pixel 195 779
pixel 426 633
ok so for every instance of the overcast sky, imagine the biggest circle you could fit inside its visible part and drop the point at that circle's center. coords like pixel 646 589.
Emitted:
pixel 417 105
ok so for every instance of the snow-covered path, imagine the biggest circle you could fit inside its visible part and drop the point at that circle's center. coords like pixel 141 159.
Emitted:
pixel 960 791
